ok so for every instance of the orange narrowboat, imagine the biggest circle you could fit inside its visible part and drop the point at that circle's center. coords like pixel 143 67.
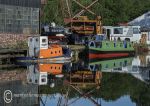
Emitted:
pixel 40 48
pixel 54 69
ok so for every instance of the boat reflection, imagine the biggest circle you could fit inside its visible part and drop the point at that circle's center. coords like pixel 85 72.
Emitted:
pixel 67 84
pixel 40 73
pixel 84 71
pixel 52 76
pixel 35 76
pixel 109 65
pixel 84 78
pixel 139 66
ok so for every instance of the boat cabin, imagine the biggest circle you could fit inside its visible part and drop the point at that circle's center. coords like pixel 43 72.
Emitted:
pixel 52 30
pixel 40 48
pixel 34 76
pixel 53 69
pixel 130 33
pixel 111 45
pixel 54 33
pixel 36 44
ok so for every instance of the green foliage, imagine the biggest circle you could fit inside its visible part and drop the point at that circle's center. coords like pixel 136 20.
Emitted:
pixel 113 86
pixel 112 11
pixel 52 12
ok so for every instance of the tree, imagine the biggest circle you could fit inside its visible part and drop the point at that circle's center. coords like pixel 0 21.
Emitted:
pixel 111 11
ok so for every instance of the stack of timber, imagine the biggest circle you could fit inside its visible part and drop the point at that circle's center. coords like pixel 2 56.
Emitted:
pixel 142 46
pixel 143 39
pixel 143 59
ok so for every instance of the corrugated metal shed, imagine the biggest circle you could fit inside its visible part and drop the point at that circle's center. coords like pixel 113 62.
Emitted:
pixel 143 21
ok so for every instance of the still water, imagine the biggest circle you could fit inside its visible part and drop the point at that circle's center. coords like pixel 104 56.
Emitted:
pixel 111 82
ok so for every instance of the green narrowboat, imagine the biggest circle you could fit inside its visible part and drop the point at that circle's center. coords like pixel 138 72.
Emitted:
pixel 110 49
pixel 110 64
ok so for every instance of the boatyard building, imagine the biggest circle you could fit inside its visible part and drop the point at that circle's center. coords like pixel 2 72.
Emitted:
pixel 18 20
pixel 19 16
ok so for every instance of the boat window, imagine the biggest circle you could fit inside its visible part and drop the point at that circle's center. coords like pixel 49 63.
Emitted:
pixel 125 63
pixel 43 40
pixel 97 44
pixel 136 31
pixel 96 67
pixel 92 44
pixel 91 67
pixel 59 51
pixel 55 67
pixel 129 45
pixel 59 68
pixel 107 44
pixel 43 80
pixel 118 30
pixel 114 64
pixel 51 52
pixel 115 44
pixel 51 67
pixel 36 81
pixel 100 66
pixel 36 39
pixel 120 63
pixel 55 51
pixel 118 39
pixel 125 43
pixel 100 44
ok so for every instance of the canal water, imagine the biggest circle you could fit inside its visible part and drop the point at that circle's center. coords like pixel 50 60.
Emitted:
pixel 111 82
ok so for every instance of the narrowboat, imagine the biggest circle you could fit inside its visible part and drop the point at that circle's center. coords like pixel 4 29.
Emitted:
pixel 130 33
pixel 40 50
pixel 110 49
pixel 40 73
pixel 108 65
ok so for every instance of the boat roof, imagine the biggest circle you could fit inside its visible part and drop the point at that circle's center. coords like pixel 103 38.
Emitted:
pixel 121 26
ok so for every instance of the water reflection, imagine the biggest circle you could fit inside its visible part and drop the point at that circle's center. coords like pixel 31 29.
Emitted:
pixel 138 66
pixel 110 65
pixel 92 82
pixel 113 82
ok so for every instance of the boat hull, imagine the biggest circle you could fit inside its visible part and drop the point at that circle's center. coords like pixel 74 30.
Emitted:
pixel 44 60
pixel 109 54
